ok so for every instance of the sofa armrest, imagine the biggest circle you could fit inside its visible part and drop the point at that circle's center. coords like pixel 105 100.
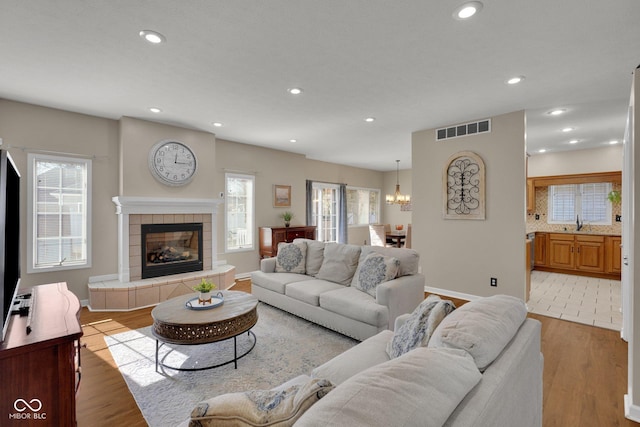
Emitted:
pixel 268 265
pixel 401 295
pixel 401 320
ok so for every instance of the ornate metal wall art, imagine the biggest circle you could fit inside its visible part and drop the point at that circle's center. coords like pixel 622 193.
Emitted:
pixel 463 187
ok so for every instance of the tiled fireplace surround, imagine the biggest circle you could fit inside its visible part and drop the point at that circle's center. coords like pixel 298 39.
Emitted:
pixel 130 291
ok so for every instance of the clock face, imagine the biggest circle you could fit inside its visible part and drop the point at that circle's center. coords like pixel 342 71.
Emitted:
pixel 172 162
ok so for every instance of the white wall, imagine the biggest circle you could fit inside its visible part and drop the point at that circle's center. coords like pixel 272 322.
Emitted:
pixel 604 159
pixel 461 256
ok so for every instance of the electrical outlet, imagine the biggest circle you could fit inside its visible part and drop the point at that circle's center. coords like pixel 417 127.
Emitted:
pixel 618 218
pixel 494 281
pixel 537 217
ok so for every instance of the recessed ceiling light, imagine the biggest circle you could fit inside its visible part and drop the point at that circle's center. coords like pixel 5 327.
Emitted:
pixel 567 129
pixel 613 141
pixel 295 91
pixel 515 80
pixel 152 37
pixel 217 124
pixel 557 112
pixel 574 141
pixel 370 119
pixel 155 110
pixel 293 140
pixel 467 10
pixel 542 150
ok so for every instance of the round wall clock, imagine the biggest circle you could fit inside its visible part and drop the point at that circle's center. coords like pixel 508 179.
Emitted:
pixel 172 162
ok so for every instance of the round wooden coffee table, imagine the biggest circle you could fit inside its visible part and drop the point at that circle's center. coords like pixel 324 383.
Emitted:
pixel 174 323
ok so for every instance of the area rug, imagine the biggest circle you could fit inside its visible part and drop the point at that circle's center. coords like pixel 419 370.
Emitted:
pixel 286 347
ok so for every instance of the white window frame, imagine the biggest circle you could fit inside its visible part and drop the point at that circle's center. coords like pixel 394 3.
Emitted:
pixel 379 207
pixel 32 245
pixel 578 190
pixel 251 207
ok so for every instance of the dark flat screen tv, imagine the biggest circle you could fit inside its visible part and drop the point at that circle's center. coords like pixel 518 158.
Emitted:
pixel 10 237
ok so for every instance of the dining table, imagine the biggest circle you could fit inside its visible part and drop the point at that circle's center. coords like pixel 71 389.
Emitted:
pixel 397 236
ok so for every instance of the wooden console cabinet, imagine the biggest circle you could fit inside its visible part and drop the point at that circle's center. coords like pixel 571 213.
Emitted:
pixel 40 371
pixel 271 236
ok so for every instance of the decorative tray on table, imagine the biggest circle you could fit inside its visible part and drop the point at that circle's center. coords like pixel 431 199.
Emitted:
pixel 215 301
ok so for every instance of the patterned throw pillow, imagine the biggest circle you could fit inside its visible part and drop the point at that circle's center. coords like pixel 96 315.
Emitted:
pixel 373 270
pixel 279 406
pixel 291 258
pixel 417 330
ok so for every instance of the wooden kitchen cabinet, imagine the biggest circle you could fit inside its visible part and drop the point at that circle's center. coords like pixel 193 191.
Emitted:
pixel 271 236
pixel 583 254
pixel 531 196
pixel 561 251
pixel 541 243
pixel 613 258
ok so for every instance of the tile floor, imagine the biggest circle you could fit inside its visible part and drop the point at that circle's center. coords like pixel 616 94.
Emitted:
pixel 579 299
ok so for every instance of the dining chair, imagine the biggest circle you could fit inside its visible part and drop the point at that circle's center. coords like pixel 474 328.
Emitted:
pixel 387 229
pixel 377 235
pixel 407 239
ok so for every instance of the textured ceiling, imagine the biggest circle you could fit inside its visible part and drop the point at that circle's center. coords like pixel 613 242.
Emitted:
pixel 409 64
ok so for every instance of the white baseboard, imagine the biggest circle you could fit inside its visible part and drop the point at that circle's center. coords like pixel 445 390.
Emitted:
pixel 451 294
pixel 243 275
pixel 631 412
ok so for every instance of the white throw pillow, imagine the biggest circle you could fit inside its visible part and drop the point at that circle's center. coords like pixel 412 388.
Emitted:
pixel 291 257
pixel 482 327
pixel 373 270
pixel 419 327
pixel 277 407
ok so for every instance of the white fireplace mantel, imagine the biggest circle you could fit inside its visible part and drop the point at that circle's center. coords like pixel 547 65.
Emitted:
pixel 126 206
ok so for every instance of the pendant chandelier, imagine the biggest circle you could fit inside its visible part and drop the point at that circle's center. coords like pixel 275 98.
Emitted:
pixel 398 198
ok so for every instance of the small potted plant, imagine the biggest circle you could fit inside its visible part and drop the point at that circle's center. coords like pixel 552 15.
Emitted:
pixel 204 287
pixel 614 197
pixel 287 216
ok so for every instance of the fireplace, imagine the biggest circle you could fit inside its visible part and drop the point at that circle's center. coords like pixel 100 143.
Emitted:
pixel 171 249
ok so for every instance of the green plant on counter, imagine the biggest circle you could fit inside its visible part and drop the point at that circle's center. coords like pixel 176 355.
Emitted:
pixel 287 216
pixel 204 286
pixel 614 196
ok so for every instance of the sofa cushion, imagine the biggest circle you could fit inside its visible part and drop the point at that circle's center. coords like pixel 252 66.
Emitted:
pixel 482 327
pixel 315 255
pixel 309 291
pixel 409 258
pixel 355 304
pixel 339 263
pixel 276 282
pixel 419 327
pixel 280 407
pixel 368 353
pixel 373 270
pixel 291 258
pixel 419 388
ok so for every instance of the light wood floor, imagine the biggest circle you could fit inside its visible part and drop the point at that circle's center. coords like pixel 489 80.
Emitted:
pixel 585 372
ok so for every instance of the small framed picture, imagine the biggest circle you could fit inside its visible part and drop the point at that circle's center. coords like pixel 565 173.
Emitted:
pixel 282 196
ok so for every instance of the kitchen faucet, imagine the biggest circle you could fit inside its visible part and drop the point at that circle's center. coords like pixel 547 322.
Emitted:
pixel 578 223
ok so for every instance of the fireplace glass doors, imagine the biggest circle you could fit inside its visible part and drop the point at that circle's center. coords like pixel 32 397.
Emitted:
pixel 171 249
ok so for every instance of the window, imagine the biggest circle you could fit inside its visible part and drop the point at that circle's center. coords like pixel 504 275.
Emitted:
pixel 59 192
pixel 239 218
pixel 363 206
pixel 586 201
pixel 325 202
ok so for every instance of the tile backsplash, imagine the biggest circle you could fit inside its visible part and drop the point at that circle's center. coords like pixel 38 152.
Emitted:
pixel 542 202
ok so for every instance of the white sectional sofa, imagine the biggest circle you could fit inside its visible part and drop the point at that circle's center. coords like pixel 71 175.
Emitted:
pixel 481 367
pixel 334 285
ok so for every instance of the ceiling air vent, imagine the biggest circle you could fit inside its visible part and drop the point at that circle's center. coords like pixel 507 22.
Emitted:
pixel 458 131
